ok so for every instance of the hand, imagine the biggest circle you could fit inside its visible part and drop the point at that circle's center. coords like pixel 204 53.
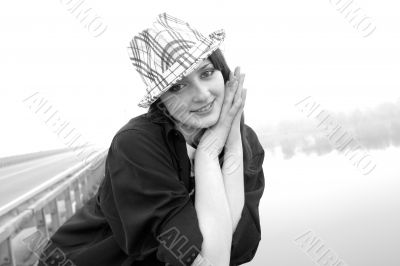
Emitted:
pixel 234 137
pixel 214 138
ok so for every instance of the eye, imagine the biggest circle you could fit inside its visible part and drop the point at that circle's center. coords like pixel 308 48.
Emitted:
pixel 209 72
pixel 176 88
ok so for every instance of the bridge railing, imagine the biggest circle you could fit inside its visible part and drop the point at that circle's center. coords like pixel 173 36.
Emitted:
pixel 46 208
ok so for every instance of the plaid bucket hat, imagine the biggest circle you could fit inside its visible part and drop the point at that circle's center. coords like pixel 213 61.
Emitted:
pixel 167 52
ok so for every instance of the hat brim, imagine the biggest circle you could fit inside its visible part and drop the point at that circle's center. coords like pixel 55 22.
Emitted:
pixel 217 38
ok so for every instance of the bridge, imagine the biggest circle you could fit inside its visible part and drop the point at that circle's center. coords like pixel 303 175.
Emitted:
pixel 39 192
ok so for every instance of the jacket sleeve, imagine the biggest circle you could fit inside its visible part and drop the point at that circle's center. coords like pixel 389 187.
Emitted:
pixel 247 235
pixel 147 206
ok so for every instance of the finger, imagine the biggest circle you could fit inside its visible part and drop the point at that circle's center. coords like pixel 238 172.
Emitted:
pixel 237 72
pixel 231 113
pixel 239 96
pixel 237 102
pixel 229 96
pixel 244 96
pixel 236 89
pixel 243 101
pixel 241 80
pixel 240 86
pixel 228 85
pixel 231 75
pixel 232 87
pixel 230 92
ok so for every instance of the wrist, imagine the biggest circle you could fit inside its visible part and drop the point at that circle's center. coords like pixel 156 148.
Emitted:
pixel 234 145
pixel 206 153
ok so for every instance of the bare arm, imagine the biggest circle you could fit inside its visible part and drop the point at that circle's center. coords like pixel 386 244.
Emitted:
pixel 234 182
pixel 213 210
pixel 232 169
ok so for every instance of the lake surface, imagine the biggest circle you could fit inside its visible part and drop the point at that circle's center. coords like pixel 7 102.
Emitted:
pixel 354 216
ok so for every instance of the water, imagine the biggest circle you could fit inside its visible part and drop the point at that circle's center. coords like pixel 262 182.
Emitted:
pixel 353 215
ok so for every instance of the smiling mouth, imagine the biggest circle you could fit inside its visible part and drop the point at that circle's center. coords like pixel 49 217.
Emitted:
pixel 204 108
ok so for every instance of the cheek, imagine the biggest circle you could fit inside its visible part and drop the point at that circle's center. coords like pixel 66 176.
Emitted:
pixel 221 92
pixel 176 106
pixel 220 85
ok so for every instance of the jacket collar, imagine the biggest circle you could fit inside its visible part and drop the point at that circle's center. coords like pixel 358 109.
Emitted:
pixel 167 124
pixel 176 144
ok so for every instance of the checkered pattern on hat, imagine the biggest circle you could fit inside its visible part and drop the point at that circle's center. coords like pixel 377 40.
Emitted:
pixel 168 51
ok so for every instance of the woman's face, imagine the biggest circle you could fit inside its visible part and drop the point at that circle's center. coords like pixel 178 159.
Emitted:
pixel 188 101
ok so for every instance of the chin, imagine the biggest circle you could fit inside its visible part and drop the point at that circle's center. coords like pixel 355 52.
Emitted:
pixel 206 122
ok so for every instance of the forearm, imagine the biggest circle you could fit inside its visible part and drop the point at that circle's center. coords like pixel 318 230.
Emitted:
pixel 213 210
pixel 232 170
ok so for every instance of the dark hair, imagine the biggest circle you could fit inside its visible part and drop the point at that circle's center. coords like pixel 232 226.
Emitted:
pixel 158 112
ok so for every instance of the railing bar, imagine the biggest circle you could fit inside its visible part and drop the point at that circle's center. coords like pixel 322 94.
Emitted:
pixel 41 224
pixel 80 183
pixel 85 187
pixel 11 253
pixel 41 202
pixel 55 218
pixel 37 190
pixel 68 203
pixel 77 195
pixel 6 253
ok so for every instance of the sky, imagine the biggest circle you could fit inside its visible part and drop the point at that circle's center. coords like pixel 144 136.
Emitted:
pixel 289 50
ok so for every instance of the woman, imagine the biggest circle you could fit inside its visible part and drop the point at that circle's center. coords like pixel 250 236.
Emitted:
pixel 184 180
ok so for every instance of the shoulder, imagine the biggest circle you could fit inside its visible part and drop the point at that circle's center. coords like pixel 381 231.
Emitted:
pixel 139 123
pixel 138 133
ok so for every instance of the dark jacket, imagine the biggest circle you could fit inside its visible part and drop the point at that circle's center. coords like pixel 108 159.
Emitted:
pixel 142 213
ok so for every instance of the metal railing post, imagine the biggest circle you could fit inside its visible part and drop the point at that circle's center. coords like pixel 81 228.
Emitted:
pixel 6 254
pixel 68 203
pixel 55 216
pixel 77 195
pixel 85 187
pixel 40 218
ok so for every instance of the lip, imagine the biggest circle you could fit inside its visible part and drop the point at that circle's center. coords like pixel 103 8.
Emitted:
pixel 212 103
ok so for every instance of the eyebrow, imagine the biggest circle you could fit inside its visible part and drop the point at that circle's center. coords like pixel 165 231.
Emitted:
pixel 206 65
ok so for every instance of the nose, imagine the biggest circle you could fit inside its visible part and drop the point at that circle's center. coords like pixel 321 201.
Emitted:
pixel 201 92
